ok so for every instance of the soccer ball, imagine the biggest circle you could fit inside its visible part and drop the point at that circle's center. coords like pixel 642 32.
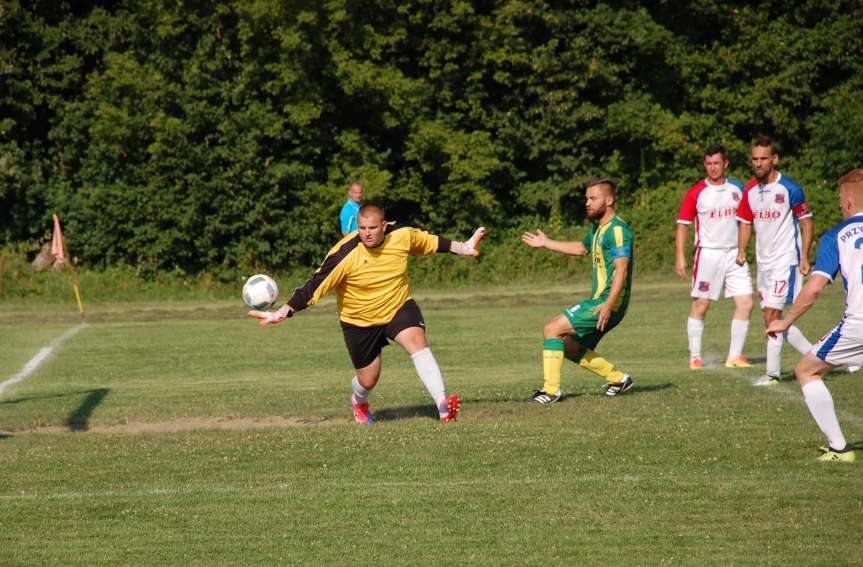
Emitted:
pixel 260 291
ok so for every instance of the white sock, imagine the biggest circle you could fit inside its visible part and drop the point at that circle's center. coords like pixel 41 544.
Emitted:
pixel 429 373
pixel 739 330
pixel 774 355
pixel 360 394
pixel 820 404
pixel 795 338
pixel 694 330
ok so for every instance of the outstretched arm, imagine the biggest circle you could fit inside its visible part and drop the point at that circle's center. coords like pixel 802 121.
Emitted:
pixel 469 248
pixel 273 317
pixel 568 247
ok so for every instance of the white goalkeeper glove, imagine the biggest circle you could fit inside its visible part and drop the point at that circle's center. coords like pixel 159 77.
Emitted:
pixel 468 248
pixel 272 317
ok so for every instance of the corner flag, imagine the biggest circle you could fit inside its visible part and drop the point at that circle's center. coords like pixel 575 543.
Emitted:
pixel 58 250
pixel 57 242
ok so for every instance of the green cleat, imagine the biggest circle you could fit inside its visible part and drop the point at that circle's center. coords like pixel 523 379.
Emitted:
pixel 830 455
pixel 766 380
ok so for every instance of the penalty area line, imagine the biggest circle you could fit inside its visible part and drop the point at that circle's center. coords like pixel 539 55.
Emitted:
pixel 40 357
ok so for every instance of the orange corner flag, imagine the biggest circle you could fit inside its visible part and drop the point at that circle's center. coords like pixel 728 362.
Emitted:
pixel 58 250
pixel 57 241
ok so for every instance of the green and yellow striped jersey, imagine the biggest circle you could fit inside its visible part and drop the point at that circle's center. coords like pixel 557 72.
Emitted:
pixel 606 243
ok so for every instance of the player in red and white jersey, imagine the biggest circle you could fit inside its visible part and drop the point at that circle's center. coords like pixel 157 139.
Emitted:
pixel 711 204
pixel 775 207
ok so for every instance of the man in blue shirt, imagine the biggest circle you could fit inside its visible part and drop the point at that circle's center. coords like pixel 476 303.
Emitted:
pixel 840 252
pixel 351 208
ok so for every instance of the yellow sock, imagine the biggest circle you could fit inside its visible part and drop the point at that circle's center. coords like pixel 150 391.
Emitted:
pixel 601 367
pixel 552 362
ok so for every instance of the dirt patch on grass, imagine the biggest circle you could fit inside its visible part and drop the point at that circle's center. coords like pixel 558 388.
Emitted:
pixel 189 424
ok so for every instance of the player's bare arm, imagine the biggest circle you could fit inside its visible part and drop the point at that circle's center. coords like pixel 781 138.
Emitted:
pixel 807 231
pixel 603 311
pixel 744 233
pixel 679 249
pixel 540 240
pixel 807 298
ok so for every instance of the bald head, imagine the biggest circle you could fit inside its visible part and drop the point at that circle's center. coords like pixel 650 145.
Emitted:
pixel 371 209
pixel 851 192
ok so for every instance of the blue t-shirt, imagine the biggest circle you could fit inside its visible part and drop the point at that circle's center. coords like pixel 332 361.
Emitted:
pixel 348 216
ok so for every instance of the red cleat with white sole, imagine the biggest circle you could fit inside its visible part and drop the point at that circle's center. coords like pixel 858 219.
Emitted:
pixel 453 404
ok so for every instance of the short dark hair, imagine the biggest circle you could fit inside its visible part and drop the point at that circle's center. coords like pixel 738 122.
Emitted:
pixel 765 142
pixel 371 208
pixel 714 149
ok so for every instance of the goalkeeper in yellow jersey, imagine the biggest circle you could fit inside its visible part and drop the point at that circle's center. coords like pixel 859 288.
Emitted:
pixel 368 269
pixel 576 332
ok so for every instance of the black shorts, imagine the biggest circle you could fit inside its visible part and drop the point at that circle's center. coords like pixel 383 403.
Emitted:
pixel 365 343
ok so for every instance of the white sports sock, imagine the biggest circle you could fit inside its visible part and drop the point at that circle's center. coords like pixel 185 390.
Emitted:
pixel 795 338
pixel 820 404
pixel 430 374
pixel 739 330
pixel 360 395
pixel 774 355
pixel 694 330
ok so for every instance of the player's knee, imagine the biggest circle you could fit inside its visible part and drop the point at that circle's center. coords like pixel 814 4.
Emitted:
pixel 809 369
pixel 552 329
pixel 700 308
pixel 744 303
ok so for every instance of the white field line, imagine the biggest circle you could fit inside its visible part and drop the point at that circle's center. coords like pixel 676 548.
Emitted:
pixel 289 487
pixel 40 357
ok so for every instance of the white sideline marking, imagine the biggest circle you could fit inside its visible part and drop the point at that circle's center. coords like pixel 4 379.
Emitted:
pixel 282 487
pixel 40 357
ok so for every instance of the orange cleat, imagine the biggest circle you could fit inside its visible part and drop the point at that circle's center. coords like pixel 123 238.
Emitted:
pixel 739 362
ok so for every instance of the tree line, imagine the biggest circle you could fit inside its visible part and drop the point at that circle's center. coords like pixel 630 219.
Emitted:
pixel 193 136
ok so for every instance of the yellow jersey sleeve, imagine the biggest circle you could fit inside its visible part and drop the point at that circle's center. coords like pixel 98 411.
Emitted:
pixel 424 243
pixel 334 269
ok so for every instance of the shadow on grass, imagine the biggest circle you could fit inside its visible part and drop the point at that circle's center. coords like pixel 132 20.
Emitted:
pixel 47 397
pixel 79 419
pixel 392 414
pixel 636 389
pixel 5 436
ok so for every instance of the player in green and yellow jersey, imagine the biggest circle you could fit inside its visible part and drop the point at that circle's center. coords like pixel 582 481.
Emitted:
pixel 368 268
pixel 576 332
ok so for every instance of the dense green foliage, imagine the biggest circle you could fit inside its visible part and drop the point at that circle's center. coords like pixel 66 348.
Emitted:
pixel 220 136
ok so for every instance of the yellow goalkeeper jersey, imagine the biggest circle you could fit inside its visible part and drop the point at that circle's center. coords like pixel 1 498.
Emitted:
pixel 371 283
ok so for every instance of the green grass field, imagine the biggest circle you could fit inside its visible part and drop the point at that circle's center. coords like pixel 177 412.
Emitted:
pixel 181 434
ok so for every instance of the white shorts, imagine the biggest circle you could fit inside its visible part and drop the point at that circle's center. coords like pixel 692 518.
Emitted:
pixel 714 267
pixel 778 286
pixel 843 346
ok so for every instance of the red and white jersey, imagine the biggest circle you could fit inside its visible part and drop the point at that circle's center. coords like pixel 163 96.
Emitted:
pixel 712 208
pixel 773 211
